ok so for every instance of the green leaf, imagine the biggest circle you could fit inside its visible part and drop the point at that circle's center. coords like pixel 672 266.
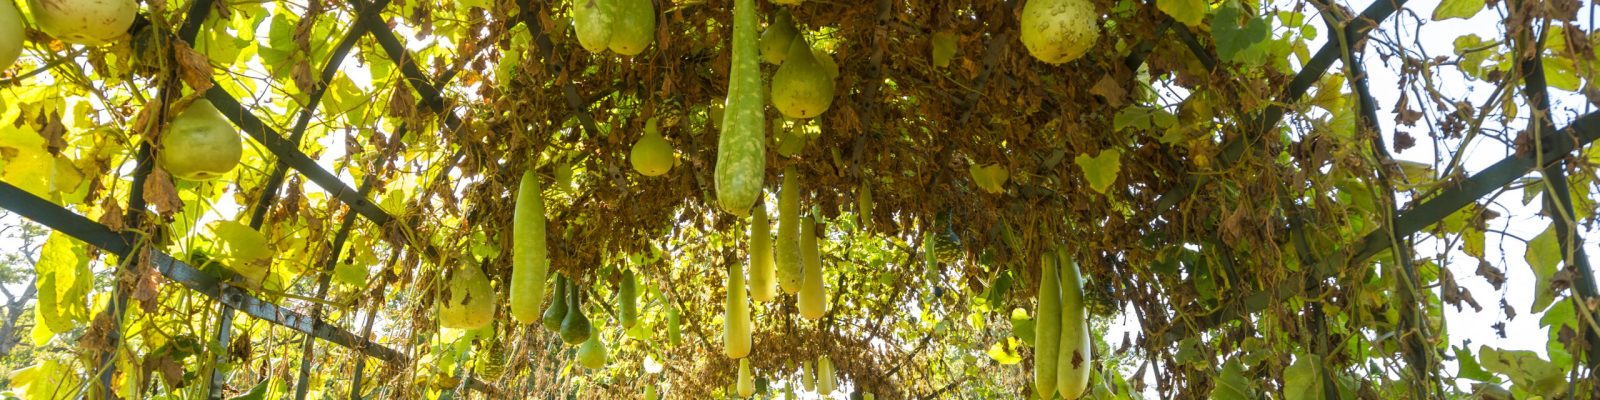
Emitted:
pixel 1467 47
pixel 1005 351
pixel 1189 12
pixel 1101 170
pixel 1303 380
pixel 1464 9
pixel 1543 255
pixel 64 283
pixel 1022 325
pixel 1235 42
pixel 242 244
pixel 1232 384
pixel 1527 371
pixel 1468 367
pixel 258 392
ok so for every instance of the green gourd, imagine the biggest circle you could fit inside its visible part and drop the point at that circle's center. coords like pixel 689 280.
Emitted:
pixel 807 376
pixel 736 315
pixel 813 300
pixel 628 300
pixel 790 271
pixel 651 155
pixel 674 327
pixel 575 329
pixel 556 312
pixel 10 34
pixel 779 35
pixel 592 354
pixel 200 144
pixel 528 253
pixel 1073 361
pixel 802 88
pixel 592 20
pixel 470 302
pixel 741 146
pixel 825 375
pixel 747 384
pixel 763 282
pixel 650 393
pixel 1047 337
pixel 633 26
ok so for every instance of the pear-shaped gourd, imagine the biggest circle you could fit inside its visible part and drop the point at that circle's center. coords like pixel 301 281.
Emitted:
pixel 470 301
pixel 86 22
pixel 674 327
pixel 556 312
pixel 628 300
pixel 802 87
pixel 825 375
pixel 200 144
pixel 592 354
pixel 633 26
pixel 747 384
pixel 528 258
pixel 1047 339
pixel 813 299
pixel 650 393
pixel 779 35
pixel 10 34
pixel 651 155
pixel 791 272
pixel 592 20
pixel 575 328
pixel 1059 31
pixel 736 315
pixel 1072 363
pixel 763 279
pixel 826 60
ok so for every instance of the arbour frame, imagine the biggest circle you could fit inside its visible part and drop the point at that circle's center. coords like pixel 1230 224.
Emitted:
pixel 1556 144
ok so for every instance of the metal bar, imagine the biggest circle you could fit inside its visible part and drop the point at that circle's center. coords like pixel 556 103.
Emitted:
pixel 1584 130
pixel 1558 196
pixel 60 219
pixel 1356 30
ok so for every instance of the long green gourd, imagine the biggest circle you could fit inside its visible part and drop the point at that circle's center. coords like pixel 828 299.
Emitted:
pixel 529 260
pixel 1072 363
pixel 1048 340
pixel 741 147
pixel 790 272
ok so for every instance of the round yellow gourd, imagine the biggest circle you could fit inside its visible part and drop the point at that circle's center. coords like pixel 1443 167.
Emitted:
pixel 85 22
pixel 592 20
pixel 1059 31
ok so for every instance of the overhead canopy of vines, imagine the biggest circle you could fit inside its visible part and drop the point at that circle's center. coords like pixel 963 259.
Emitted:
pixel 1218 173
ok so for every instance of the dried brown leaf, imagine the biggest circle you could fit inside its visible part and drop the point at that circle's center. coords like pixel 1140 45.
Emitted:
pixel 159 192
pixel 194 68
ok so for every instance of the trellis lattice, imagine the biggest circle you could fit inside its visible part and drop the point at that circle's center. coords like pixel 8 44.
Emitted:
pixel 1556 145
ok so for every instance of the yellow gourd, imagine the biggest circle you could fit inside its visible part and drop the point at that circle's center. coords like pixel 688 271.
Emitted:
pixel 633 26
pixel 651 155
pixel 763 281
pixel 1059 31
pixel 813 300
pixel 736 315
pixel 776 39
pixel 200 144
pixel 592 20
pixel 803 87
pixel 747 384
pixel 10 34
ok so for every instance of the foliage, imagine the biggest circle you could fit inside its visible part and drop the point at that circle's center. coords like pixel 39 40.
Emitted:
pixel 1257 239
